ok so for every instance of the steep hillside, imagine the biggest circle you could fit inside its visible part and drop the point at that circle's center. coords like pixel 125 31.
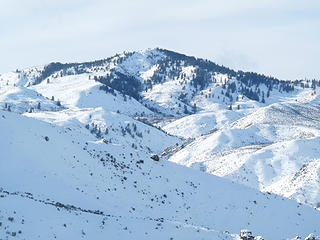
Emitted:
pixel 263 150
pixel 115 128
pixel 15 97
pixel 57 182
pixel 202 123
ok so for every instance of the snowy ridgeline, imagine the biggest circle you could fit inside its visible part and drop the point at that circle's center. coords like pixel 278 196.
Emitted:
pixel 78 163
pixel 274 149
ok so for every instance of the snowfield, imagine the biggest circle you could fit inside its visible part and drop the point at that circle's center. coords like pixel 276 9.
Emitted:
pixel 74 185
pixel 263 150
pixel 80 144
pixel 203 123
pixel 82 92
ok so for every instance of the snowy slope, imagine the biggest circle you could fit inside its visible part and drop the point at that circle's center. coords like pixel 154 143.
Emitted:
pixel 17 98
pixel 73 185
pixel 118 129
pixel 263 150
pixel 82 92
pixel 249 128
pixel 21 100
pixel 303 185
pixel 201 123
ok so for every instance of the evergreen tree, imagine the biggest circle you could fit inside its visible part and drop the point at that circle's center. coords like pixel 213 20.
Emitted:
pixel 185 110
pixel 194 108
pixel 262 100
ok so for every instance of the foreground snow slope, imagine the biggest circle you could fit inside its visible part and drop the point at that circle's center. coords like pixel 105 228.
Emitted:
pixel 65 183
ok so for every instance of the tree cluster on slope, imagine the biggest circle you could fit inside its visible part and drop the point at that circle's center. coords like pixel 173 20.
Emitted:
pixel 123 83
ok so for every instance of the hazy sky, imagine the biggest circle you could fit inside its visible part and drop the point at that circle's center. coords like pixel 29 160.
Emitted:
pixel 275 37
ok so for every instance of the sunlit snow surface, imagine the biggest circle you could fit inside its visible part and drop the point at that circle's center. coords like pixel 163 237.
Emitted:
pixel 83 170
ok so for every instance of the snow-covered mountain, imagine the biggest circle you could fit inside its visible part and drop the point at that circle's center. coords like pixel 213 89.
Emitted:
pixel 267 150
pixel 63 182
pixel 77 141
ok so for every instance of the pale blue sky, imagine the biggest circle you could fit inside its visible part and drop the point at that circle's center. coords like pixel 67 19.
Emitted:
pixel 276 37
